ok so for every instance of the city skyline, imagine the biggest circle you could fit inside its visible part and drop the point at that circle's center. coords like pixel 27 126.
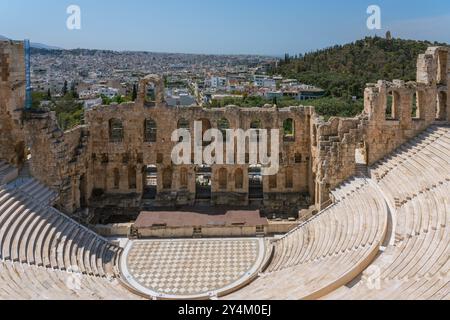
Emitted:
pixel 253 27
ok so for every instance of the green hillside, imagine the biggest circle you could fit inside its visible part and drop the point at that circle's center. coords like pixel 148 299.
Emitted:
pixel 344 70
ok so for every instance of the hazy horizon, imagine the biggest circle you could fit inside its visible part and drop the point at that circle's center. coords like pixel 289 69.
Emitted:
pixel 253 27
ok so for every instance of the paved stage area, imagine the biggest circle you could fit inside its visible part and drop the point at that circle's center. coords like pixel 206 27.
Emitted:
pixel 191 268
pixel 198 217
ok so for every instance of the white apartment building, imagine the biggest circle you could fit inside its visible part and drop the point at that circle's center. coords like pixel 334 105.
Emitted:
pixel 216 82
pixel 264 81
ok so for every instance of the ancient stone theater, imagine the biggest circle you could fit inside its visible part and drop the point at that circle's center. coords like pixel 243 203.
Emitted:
pixel 359 209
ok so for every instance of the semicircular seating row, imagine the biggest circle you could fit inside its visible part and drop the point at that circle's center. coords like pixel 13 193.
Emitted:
pixel 326 256
pixel 46 255
pixel 417 265
pixel 325 252
pixel 417 165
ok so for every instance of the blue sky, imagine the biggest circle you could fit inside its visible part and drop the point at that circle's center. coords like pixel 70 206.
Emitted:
pixel 220 27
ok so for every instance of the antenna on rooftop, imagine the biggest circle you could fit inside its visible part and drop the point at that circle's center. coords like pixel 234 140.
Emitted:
pixel 28 100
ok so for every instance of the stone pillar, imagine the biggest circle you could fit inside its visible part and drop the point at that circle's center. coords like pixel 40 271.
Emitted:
pixel 12 101
pixel 405 107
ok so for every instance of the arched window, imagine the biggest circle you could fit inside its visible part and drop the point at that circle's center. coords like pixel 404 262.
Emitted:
pixel 115 130
pixel 273 182
pixel 132 177
pixel 256 124
pixel 442 71
pixel 361 154
pixel 183 178
pixel 289 179
pixel 150 130
pixel 239 179
pixel 167 178
pixel 396 103
pixel 441 112
pixel 183 124
pixel 223 125
pixel 415 105
pixel 223 179
pixel 289 130
pixel 255 185
pixel 150 93
pixel 116 175
pixel 393 106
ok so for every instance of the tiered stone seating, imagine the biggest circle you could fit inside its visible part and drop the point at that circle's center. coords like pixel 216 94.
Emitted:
pixel 417 265
pixel 341 253
pixel 347 188
pixel 327 251
pixel 37 242
pixel 34 190
pixel 415 166
pixel 316 259
pixel 22 281
pixel 7 172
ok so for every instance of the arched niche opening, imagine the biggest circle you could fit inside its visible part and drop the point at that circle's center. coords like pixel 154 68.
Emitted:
pixel 255 183
pixel 393 102
pixel 183 178
pixel 418 104
pixel 116 131
pixel 150 131
pixel 361 156
pixel 239 179
pixel 289 130
pixel 223 179
pixel 132 178
pixel 167 176
pixel 150 177
pixel 203 182
pixel 442 71
pixel 441 108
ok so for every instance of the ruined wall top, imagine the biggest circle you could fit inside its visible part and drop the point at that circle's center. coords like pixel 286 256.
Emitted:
pixel 397 100
pixel 433 67
pixel 158 84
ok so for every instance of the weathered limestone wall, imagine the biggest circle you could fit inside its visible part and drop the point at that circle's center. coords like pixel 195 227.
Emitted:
pixel 334 154
pixel 96 166
pixel 378 131
pixel 12 101
pixel 59 159
pixel 110 157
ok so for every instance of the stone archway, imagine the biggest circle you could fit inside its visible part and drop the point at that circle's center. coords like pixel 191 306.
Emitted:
pixel 441 108
pixel 157 83
pixel 361 157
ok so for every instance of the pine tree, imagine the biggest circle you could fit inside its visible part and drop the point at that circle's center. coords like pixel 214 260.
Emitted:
pixel 73 90
pixel 134 93
pixel 49 94
pixel 64 89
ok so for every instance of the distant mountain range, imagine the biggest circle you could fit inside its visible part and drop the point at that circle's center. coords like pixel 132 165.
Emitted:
pixel 35 44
